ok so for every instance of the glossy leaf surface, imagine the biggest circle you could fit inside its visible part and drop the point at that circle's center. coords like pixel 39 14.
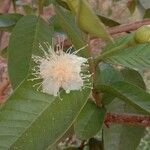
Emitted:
pixel 89 121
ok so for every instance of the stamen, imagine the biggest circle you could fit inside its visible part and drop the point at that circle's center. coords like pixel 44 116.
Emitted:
pixel 40 83
pixel 34 79
pixel 69 49
pixel 44 52
pixel 47 45
pixel 75 52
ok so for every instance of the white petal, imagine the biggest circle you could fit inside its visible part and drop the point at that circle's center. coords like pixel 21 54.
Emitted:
pixel 74 84
pixel 43 67
pixel 51 87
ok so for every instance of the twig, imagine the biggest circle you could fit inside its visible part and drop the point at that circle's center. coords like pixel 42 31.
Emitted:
pixel 3 87
pixel 129 119
pixel 40 7
pixel 128 27
pixel 82 144
pixel 6 6
pixel 14 5
pixel 95 94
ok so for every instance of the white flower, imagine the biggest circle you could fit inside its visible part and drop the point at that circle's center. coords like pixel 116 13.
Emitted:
pixel 58 69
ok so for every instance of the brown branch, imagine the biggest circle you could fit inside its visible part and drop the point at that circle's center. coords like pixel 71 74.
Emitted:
pixel 95 94
pixel 128 27
pixel 6 5
pixel 129 119
pixel 4 85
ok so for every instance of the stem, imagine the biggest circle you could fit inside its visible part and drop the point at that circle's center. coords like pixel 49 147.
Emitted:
pixel 129 119
pixel 82 144
pixel 6 5
pixel 14 5
pixel 128 27
pixel 40 7
pixel 95 94
pixel 4 85
pixel 110 52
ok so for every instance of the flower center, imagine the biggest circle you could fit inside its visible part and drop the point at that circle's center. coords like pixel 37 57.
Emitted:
pixel 62 72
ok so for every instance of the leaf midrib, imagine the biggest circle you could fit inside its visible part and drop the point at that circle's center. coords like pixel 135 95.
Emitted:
pixel 122 96
pixel 68 126
pixel 88 120
pixel 33 45
pixel 34 120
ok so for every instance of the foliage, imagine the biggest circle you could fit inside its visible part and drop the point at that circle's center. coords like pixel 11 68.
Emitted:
pixel 34 120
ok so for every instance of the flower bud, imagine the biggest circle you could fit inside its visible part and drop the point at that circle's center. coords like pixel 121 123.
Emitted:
pixel 142 35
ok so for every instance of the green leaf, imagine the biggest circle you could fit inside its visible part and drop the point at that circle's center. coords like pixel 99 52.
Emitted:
pixel 130 93
pixel 133 57
pixel 119 43
pixel 134 77
pixel 24 41
pixel 67 22
pixel 8 21
pixel 87 19
pixel 89 121
pixel 32 120
pixel 132 5
pixel 89 22
pixel 74 6
pixel 111 48
pixel 131 137
pixel 107 21
pixel 63 4
pixel 106 74
pixel 53 21
pixel 147 13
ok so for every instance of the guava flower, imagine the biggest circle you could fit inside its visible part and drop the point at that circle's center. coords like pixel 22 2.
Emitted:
pixel 60 70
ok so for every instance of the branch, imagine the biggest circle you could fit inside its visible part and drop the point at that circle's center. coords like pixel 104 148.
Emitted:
pixel 129 119
pixel 6 5
pixel 95 94
pixel 4 85
pixel 4 82
pixel 128 27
